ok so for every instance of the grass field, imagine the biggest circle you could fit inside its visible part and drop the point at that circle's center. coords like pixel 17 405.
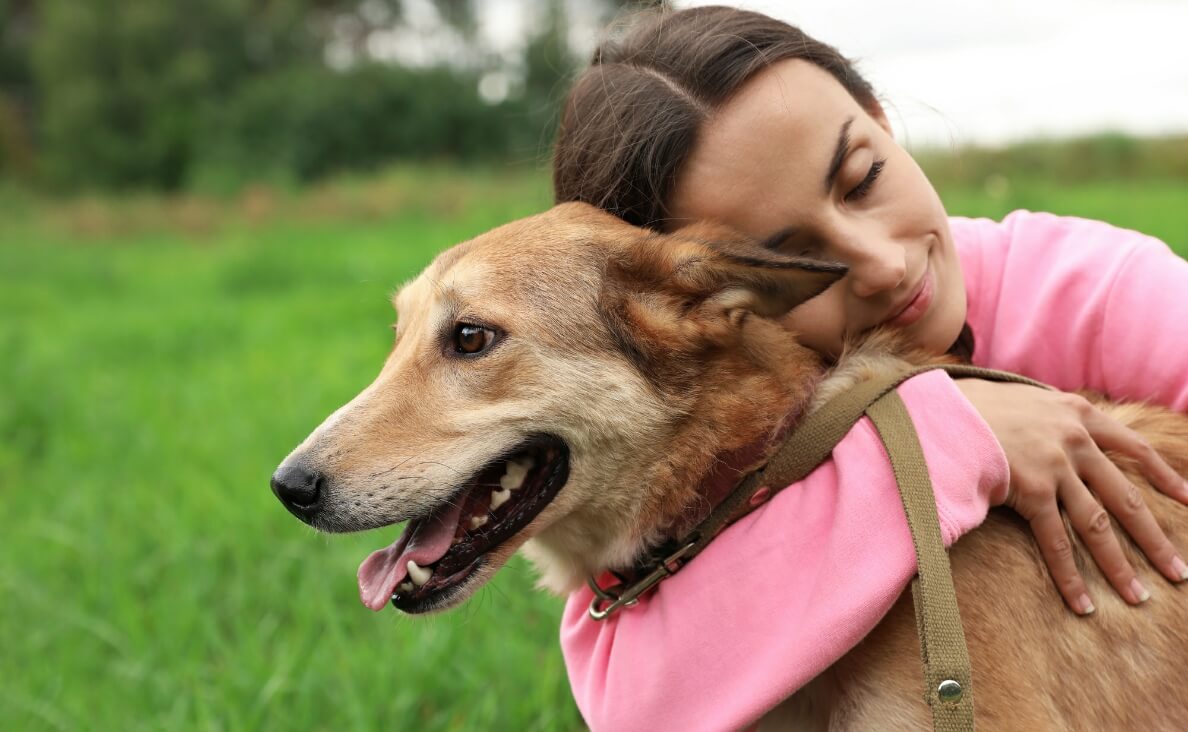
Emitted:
pixel 159 359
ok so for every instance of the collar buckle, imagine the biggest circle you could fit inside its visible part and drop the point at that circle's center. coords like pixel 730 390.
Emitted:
pixel 607 600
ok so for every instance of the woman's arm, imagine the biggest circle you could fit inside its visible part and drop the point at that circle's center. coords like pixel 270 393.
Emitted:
pixel 786 591
pixel 1111 309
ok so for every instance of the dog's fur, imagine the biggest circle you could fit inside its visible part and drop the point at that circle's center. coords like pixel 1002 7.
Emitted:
pixel 660 358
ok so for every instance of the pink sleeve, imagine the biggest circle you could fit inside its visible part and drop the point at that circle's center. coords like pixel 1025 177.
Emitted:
pixel 1144 351
pixel 1078 304
pixel 787 590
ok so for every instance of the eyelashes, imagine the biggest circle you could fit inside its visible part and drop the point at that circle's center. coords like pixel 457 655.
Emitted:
pixel 864 186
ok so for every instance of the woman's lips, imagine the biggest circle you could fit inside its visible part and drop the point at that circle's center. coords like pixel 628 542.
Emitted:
pixel 917 306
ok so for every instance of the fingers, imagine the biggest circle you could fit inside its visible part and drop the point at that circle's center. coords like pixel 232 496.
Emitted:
pixel 1057 551
pixel 1054 446
pixel 1092 524
pixel 1124 501
pixel 1109 434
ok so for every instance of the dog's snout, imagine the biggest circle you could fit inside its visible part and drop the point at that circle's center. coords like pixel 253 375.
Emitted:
pixel 300 489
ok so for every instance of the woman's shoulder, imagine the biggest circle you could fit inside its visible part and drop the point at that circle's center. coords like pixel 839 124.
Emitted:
pixel 1031 261
pixel 1043 245
pixel 1042 233
pixel 1077 303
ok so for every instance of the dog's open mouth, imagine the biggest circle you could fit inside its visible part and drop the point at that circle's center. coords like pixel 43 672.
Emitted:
pixel 438 552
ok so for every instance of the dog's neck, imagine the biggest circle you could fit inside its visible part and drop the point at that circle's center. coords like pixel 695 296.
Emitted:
pixel 731 429
pixel 712 427
pixel 878 353
pixel 731 468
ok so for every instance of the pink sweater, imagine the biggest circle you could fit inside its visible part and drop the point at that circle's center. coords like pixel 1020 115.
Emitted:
pixel 786 591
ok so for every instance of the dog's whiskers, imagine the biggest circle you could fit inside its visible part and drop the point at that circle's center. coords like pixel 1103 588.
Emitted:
pixel 397 466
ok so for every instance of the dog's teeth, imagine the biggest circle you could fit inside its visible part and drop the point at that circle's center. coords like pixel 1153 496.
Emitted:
pixel 499 497
pixel 524 464
pixel 406 587
pixel 418 575
pixel 477 522
pixel 511 480
pixel 516 471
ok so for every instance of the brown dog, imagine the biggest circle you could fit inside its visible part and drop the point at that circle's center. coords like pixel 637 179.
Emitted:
pixel 573 382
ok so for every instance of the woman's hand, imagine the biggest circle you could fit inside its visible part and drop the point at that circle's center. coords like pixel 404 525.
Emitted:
pixel 1054 445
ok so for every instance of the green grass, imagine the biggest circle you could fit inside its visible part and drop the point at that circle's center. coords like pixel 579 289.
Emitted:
pixel 159 358
pixel 1158 208
pixel 150 579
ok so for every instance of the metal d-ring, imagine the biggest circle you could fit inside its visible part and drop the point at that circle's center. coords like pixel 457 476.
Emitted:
pixel 623 595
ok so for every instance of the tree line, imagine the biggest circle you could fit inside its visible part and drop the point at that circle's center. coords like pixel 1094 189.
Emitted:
pixel 169 94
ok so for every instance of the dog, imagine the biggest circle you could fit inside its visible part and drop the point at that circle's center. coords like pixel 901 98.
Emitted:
pixel 573 385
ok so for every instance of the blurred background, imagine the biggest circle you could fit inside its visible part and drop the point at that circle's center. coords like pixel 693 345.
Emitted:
pixel 204 207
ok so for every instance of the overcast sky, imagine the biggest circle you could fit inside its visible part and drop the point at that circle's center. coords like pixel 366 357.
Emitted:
pixel 956 71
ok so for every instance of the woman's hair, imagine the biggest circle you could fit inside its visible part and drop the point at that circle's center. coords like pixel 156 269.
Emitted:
pixel 632 117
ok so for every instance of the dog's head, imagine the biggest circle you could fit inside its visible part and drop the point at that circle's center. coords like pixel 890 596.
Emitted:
pixel 566 377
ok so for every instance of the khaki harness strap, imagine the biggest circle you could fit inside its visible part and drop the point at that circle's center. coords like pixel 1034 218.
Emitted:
pixel 938 620
pixel 947 674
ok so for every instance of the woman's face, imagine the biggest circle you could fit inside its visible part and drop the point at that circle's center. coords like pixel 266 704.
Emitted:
pixel 793 160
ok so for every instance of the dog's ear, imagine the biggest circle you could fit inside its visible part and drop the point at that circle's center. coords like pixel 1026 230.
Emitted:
pixel 706 264
pixel 739 274
pixel 670 293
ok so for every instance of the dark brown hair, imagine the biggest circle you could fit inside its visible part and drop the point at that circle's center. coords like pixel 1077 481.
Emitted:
pixel 632 117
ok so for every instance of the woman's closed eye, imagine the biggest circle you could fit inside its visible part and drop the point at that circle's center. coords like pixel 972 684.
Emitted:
pixel 784 241
pixel 859 191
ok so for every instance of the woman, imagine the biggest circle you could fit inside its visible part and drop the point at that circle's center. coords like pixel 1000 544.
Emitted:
pixel 722 114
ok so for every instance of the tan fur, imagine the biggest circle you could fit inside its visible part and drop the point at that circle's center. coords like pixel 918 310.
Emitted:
pixel 659 360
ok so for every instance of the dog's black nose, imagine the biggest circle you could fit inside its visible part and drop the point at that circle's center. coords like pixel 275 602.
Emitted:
pixel 300 489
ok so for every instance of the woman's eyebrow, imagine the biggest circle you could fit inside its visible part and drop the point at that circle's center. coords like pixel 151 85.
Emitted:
pixel 839 154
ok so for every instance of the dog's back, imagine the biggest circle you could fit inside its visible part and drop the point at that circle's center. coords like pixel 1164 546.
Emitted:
pixel 1036 666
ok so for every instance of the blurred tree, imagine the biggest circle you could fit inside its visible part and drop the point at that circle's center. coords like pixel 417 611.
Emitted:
pixel 149 94
pixel 121 83
pixel 307 122
pixel 16 89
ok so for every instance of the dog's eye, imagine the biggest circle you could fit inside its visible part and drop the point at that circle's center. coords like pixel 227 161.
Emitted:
pixel 470 339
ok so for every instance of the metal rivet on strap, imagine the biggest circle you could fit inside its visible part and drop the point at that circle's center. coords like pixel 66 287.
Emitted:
pixel 949 690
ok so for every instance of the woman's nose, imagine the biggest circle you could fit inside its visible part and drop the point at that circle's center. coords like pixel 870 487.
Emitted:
pixel 876 267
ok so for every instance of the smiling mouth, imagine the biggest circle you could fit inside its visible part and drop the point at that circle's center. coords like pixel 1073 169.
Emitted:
pixel 436 554
pixel 916 306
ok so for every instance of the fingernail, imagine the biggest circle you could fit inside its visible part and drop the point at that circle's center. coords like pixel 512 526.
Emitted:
pixel 1085 605
pixel 1179 568
pixel 1139 592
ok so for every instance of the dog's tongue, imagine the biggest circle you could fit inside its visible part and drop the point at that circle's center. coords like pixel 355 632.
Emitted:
pixel 424 542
